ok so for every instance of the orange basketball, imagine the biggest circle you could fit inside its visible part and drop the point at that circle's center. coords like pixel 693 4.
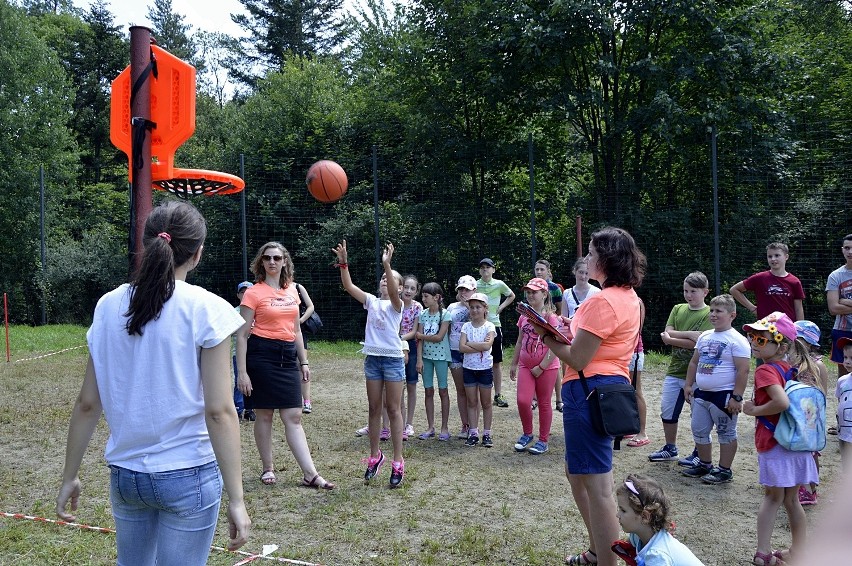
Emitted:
pixel 327 181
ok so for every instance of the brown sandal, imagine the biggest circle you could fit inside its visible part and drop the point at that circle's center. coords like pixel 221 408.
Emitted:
pixel 318 482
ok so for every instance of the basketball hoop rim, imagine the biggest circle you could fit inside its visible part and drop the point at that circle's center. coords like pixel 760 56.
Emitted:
pixel 191 182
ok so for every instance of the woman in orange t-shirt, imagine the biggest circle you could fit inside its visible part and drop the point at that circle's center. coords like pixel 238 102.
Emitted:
pixel 605 329
pixel 272 360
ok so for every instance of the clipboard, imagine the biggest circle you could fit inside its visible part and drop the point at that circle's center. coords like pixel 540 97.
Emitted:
pixel 538 320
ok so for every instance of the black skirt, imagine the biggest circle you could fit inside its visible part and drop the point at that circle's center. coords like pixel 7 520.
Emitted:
pixel 276 378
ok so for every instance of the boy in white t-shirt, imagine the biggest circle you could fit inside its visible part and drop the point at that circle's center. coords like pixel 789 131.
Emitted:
pixel 844 403
pixel 715 382
pixel 477 337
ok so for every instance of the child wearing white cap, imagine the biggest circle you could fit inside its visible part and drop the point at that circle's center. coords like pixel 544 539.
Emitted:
pixel 459 314
pixel 477 337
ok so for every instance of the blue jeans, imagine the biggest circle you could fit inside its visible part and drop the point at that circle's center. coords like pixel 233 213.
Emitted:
pixel 165 518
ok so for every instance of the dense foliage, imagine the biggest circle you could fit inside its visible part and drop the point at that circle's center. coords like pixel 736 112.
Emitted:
pixel 606 109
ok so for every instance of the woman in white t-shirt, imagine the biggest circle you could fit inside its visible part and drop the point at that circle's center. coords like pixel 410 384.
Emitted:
pixel 582 289
pixel 153 339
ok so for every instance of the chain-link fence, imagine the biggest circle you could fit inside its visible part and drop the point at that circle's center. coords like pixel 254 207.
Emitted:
pixel 443 222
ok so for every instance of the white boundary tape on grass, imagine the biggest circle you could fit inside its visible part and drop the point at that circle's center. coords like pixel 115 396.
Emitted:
pixel 267 548
pixel 50 354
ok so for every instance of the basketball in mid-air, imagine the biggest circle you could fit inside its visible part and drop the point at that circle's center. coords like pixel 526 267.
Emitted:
pixel 327 181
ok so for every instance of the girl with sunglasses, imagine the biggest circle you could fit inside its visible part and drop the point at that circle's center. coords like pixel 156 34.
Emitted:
pixel 781 471
pixel 272 361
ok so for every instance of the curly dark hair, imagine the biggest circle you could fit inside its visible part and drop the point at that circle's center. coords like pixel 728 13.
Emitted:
pixel 651 498
pixel 619 257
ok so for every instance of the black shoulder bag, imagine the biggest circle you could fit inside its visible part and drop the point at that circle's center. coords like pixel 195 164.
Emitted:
pixel 614 410
pixel 313 324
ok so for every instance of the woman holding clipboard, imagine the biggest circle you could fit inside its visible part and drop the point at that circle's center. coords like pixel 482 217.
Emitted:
pixel 604 331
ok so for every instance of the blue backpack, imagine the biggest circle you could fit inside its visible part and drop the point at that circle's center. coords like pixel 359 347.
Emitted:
pixel 801 427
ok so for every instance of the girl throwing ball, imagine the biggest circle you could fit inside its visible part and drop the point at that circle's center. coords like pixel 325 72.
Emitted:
pixel 384 365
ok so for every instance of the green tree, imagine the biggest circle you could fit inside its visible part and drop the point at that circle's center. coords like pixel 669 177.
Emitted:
pixel 172 34
pixel 34 111
pixel 98 54
pixel 279 29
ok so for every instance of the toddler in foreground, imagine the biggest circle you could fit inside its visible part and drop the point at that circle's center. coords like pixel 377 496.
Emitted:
pixel 643 511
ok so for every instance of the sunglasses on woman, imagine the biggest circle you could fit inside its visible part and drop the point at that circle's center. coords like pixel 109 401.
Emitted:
pixel 272 257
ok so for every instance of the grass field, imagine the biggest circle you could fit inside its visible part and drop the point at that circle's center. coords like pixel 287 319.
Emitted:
pixel 458 505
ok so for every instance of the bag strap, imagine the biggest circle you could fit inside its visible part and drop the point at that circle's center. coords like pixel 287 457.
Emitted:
pixel 763 420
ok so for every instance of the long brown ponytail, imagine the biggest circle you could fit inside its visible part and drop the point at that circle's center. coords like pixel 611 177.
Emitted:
pixel 173 233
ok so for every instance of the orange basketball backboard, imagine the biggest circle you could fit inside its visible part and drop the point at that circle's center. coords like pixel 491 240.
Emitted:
pixel 172 111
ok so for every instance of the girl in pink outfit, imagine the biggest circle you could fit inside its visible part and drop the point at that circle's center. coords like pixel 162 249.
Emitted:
pixel 535 368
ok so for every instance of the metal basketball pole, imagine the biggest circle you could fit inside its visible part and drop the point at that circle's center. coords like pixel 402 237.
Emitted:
pixel 140 112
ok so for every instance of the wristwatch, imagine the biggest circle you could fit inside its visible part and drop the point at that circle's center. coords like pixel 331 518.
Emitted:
pixel 737 398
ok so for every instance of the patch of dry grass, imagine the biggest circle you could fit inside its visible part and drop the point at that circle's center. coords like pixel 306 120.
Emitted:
pixel 458 505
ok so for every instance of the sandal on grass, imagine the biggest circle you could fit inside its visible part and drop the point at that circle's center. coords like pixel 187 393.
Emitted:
pixel 765 559
pixel 585 557
pixel 637 442
pixel 268 478
pixel 318 482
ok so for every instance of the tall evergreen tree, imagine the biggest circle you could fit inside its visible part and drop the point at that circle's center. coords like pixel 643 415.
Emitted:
pixel 100 53
pixel 277 29
pixel 171 32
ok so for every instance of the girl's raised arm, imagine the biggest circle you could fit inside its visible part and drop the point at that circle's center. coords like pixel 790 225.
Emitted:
pixel 345 278
pixel 393 284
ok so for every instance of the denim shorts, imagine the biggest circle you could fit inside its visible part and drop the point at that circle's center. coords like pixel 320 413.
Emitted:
pixel 411 367
pixel 383 368
pixel 457 359
pixel 165 518
pixel 586 452
pixel 478 377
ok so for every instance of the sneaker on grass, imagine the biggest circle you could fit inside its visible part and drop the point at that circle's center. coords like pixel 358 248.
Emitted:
pixel 500 401
pixel 807 497
pixel 464 432
pixel 690 461
pixel 486 441
pixel 374 466
pixel 698 471
pixel 397 473
pixel 538 448
pixel 472 440
pixel 718 476
pixel 664 454
pixel 522 443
